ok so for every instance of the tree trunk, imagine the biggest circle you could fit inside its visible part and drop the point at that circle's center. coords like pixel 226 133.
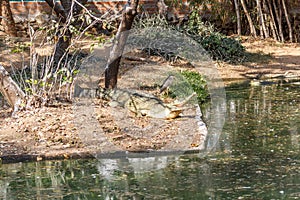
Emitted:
pixel 273 22
pixel 272 26
pixel 112 67
pixel 238 17
pixel 263 30
pixel 66 11
pixel 61 47
pixel 252 28
pixel 10 90
pixel 278 13
pixel 288 21
pixel 64 39
pixel 6 18
pixel 267 18
pixel 58 9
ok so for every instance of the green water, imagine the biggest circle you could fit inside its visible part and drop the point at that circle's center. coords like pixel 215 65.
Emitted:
pixel 256 157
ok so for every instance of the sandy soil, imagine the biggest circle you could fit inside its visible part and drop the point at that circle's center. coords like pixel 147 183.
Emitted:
pixel 50 132
pixel 269 60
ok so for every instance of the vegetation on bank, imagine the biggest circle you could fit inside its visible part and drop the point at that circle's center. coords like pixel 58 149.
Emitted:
pixel 52 76
pixel 219 46
pixel 198 83
pixel 44 81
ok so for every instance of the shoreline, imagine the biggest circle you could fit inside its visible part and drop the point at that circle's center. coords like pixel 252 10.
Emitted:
pixel 50 133
pixel 79 152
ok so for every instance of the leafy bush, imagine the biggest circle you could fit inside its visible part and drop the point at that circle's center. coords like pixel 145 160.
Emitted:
pixel 219 46
pixel 223 48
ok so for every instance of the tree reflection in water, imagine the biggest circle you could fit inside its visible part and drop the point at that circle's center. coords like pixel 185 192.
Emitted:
pixel 257 157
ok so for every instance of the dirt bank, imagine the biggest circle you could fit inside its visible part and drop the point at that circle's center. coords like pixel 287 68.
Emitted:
pixel 50 132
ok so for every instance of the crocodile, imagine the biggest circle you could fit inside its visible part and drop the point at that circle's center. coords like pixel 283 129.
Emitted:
pixel 143 104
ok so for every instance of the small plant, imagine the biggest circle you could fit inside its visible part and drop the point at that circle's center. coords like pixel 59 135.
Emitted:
pixel 38 85
pixel 198 84
pixel 20 47
pixel 150 21
pixel 196 27
pixel 66 76
pixel 44 80
pixel 186 83
pixel 99 40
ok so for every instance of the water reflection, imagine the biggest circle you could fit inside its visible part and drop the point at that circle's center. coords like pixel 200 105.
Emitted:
pixel 257 157
pixel 263 117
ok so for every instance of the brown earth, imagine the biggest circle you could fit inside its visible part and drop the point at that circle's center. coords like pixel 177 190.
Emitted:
pixel 50 132
pixel 269 59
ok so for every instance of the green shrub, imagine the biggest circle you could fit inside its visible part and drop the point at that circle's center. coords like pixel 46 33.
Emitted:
pixel 219 46
pixel 223 48
pixel 198 83
pixel 187 83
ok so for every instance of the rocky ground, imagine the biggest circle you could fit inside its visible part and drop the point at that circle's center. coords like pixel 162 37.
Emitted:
pixel 51 133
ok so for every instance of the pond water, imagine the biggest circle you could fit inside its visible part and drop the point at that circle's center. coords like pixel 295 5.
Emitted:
pixel 257 157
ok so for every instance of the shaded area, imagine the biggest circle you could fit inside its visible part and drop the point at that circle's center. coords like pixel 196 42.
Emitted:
pixel 286 65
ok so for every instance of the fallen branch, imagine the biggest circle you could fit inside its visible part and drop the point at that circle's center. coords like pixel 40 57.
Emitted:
pixel 10 90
